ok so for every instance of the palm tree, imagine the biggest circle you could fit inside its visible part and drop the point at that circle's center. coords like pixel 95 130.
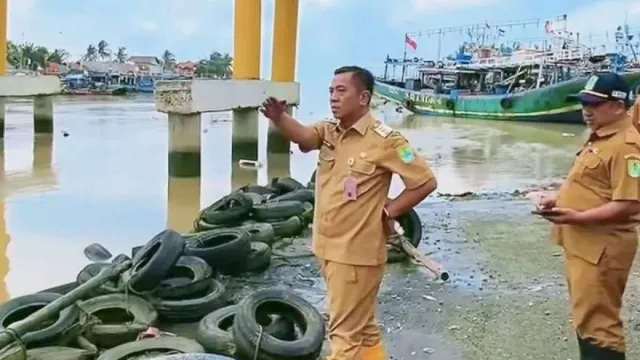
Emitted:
pixel 27 55
pixel 91 53
pixel 14 54
pixel 168 60
pixel 103 50
pixel 58 56
pixel 121 55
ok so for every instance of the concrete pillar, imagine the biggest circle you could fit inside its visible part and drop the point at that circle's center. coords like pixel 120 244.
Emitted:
pixel 3 103
pixel 43 152
pixel 184 145
pixel 283 68
pixel 183 203
pixel 4 257
pixel 3 37
pixel 43 114
pixel 247 39
pixel 244 146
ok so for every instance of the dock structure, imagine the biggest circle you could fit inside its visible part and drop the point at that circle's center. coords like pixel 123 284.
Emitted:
pixel 185 100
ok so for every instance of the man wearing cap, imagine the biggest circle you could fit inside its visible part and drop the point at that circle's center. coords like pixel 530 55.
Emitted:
pixel 596 214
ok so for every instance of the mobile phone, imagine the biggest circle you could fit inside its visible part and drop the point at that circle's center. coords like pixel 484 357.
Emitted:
pixel 548 212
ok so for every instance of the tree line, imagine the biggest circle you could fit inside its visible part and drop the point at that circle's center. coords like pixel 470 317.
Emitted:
pixel 34 57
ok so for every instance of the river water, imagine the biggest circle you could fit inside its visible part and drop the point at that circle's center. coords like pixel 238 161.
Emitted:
pixel 102 176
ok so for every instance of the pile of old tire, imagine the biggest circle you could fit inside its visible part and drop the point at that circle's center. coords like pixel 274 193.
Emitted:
pixel 166 286
pixel 267 324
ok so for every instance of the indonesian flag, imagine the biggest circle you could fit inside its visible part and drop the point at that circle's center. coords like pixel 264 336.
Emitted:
pixel 409 41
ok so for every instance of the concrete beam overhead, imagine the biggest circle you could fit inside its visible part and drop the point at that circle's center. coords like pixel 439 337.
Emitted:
pixel 202 96
pixel 26 86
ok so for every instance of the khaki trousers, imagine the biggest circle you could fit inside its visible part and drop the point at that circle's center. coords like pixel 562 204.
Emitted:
pixel 596 298
pixel 352 292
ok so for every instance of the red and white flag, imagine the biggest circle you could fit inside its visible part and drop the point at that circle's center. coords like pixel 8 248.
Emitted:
pixel 409 41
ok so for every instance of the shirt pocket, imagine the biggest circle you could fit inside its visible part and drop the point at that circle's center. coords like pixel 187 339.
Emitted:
pixel 590 170
pixel 326 161
pixel 362 170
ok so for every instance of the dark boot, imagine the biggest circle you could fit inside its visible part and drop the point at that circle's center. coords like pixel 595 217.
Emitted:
pixel 586 349
pixel 608 354
pixel 590 351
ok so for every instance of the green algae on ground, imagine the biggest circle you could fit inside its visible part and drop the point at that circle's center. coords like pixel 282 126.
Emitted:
pixel 516 247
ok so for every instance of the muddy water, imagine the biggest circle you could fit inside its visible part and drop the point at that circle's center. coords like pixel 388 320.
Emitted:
pixel 102 176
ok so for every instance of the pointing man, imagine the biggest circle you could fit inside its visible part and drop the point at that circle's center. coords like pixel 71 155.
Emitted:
pixel 357 157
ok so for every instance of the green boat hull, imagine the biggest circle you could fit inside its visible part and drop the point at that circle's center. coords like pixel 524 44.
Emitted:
pixel 548 104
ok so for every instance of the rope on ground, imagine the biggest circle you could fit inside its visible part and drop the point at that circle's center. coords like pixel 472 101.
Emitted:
pixel 258 343
pixel 14 335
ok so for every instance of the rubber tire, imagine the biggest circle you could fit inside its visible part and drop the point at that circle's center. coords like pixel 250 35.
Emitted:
pixel 301 195
pixel 120 259
pixel 59 353
pixel 67 318
pixel 229 210
pixel 411 224
pixel 154 261
pixel 258 189
pixel 307 215
pixel 223 256
pixel 218 340
pixel 312 180
pixel 246 328
pixel 277 210
pixel 110 335
pixel 259 258
pixel 290 227
pixel 201 225
pixel 261 232
pixel 193 309
pixel 174 343
pixel 255 198
pixel 113 286
pixel 200 272
pixel 286 185
pixel 192 357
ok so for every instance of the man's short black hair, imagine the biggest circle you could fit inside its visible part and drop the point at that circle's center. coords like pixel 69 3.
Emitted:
pixel 364 76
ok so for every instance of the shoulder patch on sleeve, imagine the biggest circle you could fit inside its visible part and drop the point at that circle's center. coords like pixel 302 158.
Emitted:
pixel 382 130
pixel 633 165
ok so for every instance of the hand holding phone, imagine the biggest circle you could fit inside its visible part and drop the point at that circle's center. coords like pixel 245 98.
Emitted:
pixel 546 212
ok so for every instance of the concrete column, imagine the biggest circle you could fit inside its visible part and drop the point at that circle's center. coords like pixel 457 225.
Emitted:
pixel 183 203
pixel 4 257
pixel 244 146
pixel 3 37
pixel 247 39
pixel 283 68
pixel 3 102
pixel 42 152
pixel 184 145
pixel 43 114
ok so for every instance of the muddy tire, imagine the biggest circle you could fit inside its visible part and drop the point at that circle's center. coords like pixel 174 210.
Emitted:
pixel 187 277
pixel 259 258
pixel 154 261
pixel 258 189
pixel 222 249
pixel 19 308
pixel 202 225
pixel 192 357
pixel 230 210
pixel 107 335
pixel 412 226
pixel 260 232
pixel 256 198
pixel 59 353
pixel 194 308
pixel 215 334
pixel 277 210
pixel 170 344
pixel 286 185
pixel 113 286
pixel 246 328
pixel 307 215
pixel 120 259
pixel 291 227
pixel 301 195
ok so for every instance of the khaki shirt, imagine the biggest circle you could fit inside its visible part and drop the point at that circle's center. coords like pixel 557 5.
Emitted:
pixel 635 114
pixel 606 169
pixel 368 153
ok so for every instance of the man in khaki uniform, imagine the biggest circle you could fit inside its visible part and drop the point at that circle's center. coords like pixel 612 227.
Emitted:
pixel 596 217
pixel 358 155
